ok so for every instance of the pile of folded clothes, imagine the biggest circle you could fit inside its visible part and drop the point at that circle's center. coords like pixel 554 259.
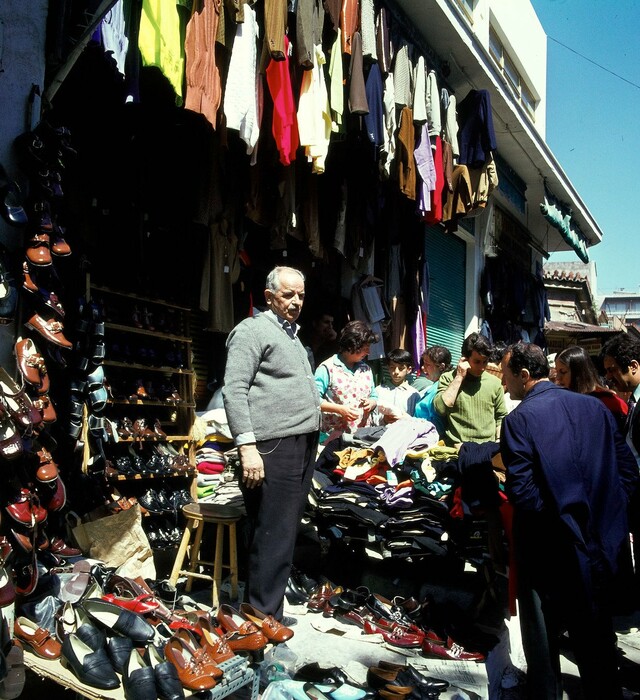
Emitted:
pixel 210 455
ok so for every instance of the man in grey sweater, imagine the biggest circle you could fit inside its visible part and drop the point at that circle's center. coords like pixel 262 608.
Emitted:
pixel 273 408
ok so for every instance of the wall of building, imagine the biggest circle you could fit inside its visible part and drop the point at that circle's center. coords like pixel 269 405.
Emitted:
pixel 522 35
pixel 22 64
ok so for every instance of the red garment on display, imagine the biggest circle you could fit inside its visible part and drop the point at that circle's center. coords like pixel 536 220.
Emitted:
pixel 285 126
pixel 435 215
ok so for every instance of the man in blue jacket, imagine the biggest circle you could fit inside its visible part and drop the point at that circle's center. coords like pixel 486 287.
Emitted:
pixel 569 478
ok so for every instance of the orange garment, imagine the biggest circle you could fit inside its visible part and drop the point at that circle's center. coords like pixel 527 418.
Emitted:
pixel 405 157
pixel 349 22
pixel 204 87
pixel 285 125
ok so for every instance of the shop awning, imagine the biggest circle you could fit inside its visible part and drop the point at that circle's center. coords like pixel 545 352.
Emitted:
pixel 577 327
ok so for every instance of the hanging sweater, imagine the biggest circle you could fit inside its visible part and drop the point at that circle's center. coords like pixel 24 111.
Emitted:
pixel 269 390
pixel 477 412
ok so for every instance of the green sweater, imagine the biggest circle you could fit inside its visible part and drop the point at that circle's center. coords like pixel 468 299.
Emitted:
pixel 478 411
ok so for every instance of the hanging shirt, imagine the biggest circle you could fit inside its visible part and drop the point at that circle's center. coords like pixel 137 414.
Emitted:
pixel 373 120
pixel 336 83
pixel 159 40
pixel 388 151
pixel 426 171
pixel 204 88
pixel 403 76
pixel 368 30
pixel 285 126
pixel 435 215
pixel 114 37
pixel 433 105
pixel 420 92
pixel 406 164
pixel 451 124
pixel 242 93
pixel 314 113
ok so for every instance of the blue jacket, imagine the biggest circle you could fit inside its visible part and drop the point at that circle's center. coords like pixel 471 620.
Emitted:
pixel 565 457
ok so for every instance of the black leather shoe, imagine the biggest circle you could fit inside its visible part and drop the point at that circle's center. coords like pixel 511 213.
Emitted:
pixel 168 685
pixel 124 622
pixel 322 676
pixel 119 650
pixel 306 583
pixel 294 594
pixel 411 676
pixel 90 667
pixel 138 679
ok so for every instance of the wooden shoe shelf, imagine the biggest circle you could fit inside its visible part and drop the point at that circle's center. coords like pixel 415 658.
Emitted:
pixel 148 351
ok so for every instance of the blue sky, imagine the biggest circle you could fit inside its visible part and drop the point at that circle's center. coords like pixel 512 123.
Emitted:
pixel 593 123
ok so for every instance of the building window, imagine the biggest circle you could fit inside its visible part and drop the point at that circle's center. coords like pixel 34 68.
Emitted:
pixel 523 93
pixel 467 8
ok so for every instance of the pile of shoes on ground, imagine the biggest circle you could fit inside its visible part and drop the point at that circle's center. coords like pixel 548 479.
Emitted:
pixel 402 623
pixel 111 626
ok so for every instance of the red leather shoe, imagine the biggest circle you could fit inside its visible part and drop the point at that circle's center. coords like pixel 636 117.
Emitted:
pixel 7 591
pixel 397 637
pixel 141 604
pixel 26 508
pixel 448 650
pixel 62 549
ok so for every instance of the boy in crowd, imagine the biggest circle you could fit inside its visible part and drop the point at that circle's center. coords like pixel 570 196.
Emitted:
pixel 396 398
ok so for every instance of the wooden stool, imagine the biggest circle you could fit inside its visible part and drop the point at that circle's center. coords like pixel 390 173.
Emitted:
pixel 197 515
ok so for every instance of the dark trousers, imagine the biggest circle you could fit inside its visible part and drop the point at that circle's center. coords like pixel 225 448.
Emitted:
pixel 553 597
pixel 274 510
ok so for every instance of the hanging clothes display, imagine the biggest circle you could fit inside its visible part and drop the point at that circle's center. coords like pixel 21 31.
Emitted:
pixel 204 88
pixel 159 41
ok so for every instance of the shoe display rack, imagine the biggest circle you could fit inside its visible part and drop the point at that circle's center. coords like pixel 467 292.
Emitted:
pixel 149 408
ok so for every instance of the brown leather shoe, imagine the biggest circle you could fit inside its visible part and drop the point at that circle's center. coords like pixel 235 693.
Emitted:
pixel 198 652
pixel 48 469
pixel 29 361
pixel 193 674
pixel 41 642
pixel 44 404
pixel 38 251
pixel 215 645
pixel 27 280
pixel 49 329
pixel 273 630
pixel 240 634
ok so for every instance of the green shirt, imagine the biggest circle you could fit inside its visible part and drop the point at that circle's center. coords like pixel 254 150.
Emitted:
pixel 478 411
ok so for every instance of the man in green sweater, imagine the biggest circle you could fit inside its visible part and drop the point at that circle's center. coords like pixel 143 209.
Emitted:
pixel 471 401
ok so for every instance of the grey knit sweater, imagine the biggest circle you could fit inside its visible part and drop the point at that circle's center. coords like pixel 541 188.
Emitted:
pixel 269 390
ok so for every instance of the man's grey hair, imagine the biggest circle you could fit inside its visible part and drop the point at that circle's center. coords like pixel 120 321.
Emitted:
pixel 273 278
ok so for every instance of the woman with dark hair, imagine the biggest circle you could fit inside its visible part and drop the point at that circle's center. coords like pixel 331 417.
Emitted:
pixel 435 361
pixel 576 372
pixel 346 384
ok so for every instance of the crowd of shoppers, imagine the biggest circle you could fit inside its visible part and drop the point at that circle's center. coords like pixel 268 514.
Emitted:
pixel 570 450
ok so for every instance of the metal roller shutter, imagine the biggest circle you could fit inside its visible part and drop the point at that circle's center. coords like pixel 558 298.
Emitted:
pixel 446 255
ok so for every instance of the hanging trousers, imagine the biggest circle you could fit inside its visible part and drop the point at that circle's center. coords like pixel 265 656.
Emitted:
pixel 274 510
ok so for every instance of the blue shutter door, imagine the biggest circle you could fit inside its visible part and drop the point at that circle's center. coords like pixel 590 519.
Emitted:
pixel 446 255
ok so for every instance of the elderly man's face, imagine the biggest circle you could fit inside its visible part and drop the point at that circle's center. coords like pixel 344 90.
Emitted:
pixel 287 301
pixel 513 382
